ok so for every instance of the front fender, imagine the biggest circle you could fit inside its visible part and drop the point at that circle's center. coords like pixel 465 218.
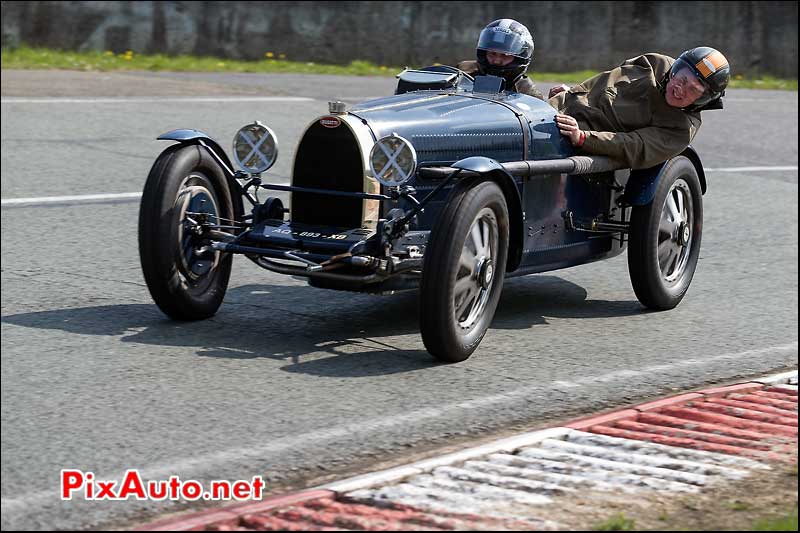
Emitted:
pixel 491 169
pixel 642 183
pixel 186 136
pixel 189 137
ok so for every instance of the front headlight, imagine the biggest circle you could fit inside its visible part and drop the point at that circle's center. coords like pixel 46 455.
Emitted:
pixel 255 148
pixel 393 160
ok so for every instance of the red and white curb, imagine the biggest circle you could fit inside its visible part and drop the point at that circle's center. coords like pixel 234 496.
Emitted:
pixel 675 445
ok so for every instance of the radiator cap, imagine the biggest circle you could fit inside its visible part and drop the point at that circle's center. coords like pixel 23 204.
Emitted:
pixel 337 108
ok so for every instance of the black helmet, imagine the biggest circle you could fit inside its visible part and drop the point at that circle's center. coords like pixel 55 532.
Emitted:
pixel 506 36
pixel 711 68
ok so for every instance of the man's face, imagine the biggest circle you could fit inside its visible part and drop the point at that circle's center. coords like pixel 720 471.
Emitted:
pixel 499 60
pixel 683 89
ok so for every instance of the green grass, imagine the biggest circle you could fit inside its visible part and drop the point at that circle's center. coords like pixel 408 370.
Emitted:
pixel 41 58
pixel 764 82
pixel 787 523
pixel 618 522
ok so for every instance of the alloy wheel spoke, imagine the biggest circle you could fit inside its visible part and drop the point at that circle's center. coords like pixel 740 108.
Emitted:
pixel 664 247
pixel 463 285
pixel 486 247
pixel 674 263
pixel 467 260
pixel 665 254
pixel 465 304
pixel 680 204
pixel 673 209
pixel 476 239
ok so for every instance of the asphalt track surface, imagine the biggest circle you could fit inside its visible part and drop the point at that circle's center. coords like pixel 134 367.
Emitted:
pixel 301 384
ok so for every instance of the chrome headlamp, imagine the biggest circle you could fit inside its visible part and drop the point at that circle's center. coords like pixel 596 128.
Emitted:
pixel 393 160
pixel 255 148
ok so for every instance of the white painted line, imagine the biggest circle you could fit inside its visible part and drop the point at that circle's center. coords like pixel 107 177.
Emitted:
pixel 622 375
pixel 125 195
pixel 383 477
pixel 504 445
pixel 751 169
pixel 90 197
pixel 784 386
pixel 164 100
pixel 395 474
pixel 785 377
pixel 61 199
pixel 200 463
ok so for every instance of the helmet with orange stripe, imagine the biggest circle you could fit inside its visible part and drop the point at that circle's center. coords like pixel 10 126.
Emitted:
pixel 711 68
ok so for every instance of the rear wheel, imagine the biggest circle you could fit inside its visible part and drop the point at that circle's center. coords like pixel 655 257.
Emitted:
pixel 186 280
pixel 665 237
pixel 463 273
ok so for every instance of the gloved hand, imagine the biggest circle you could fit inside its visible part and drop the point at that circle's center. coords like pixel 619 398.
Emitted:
pixel 557 89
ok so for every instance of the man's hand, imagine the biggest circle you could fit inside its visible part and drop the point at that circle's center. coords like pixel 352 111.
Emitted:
pixel 557 89
pixel 569 128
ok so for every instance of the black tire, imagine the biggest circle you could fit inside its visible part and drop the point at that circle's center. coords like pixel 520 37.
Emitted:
pixel 185 285
pixel 452 320
pixel 665 237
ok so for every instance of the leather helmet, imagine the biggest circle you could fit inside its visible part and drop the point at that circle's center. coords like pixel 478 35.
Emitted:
pixel 713 71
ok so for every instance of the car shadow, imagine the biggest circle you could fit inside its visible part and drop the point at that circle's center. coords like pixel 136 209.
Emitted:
pixel 529 300
pixel 316 331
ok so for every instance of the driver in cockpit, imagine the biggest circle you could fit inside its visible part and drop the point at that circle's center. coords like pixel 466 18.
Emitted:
pixel 505 49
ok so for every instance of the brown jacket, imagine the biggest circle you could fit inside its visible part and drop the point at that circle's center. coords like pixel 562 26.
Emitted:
pixel 524 85
pixel 625 115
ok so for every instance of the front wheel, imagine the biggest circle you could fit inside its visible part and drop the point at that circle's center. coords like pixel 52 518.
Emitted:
pixel 186 280
pixel 463 273
pixel 665 237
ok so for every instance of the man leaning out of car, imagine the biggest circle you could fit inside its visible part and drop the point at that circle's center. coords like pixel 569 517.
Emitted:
pixel 646 110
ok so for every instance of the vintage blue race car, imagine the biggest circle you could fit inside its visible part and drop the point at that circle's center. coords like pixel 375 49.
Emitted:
pixel 448 186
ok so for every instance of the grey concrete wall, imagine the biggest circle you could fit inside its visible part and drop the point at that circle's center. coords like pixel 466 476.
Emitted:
pixel 758 37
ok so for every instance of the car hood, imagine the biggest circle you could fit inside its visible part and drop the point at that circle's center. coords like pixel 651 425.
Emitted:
pixel 446 127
